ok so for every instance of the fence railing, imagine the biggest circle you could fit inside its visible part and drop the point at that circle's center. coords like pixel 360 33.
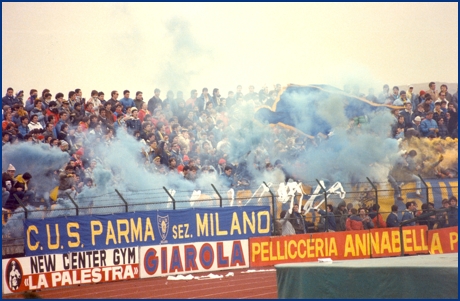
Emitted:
pixel 277 196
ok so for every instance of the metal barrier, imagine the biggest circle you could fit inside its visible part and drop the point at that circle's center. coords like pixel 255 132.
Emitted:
pixel 362 194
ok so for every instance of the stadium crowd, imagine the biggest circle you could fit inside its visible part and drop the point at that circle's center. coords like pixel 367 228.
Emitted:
pixel 347 218
pixel 189 136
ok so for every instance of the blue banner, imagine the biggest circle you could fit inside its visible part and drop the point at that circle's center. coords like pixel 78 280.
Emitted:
pixel 82 233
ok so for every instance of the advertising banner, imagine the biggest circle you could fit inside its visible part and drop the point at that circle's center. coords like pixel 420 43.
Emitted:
pixel 56 270
pixel 387 241
pixel 193 258
pixel 97 232
pixel 443 240
pixel 265 251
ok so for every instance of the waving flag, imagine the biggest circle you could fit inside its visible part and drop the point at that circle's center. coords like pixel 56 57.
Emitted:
pixel 316 109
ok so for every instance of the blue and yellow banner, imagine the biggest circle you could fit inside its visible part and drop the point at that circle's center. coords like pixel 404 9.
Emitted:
pixel 96 232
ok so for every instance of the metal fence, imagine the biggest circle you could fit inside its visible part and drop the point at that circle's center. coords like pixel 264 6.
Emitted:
pixel 278 196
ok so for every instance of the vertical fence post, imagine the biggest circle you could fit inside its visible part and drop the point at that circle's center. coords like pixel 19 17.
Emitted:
pixel 326 218
pixel 427 189
pixel 123 199
pixel 220 197
pixel 273 206
pixel 73 202
pixel 401 242
pixel 376 200
pixel 174 201
pixel 26 212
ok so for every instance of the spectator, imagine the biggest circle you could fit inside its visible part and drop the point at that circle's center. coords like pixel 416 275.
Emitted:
pixel 452 212
pixel 126 101
pixel 34 124
pixel 385 94
pixel 341 215
pixel 139 100
pixel 23 128
pixel 327 219
pixel 37 111
pixel 367 221
pixel 7 184
pixel 67 183
pixel 134 123
pixel 8 99
pixel 202 101
pixel 429 221
pixel 408 214
pixel 399 128
pixel 420 112
pixel 287 228
pixel 438 113
pixel 432 90
pixel 298 221
pixel 227 178
pixel 376 217
pixel 190 103
pixel 443 132
pixel 101 97
pixel 401 100
pixel 354 222
pixel 251 95
pixel 155 101
pixel 143 111
pixel 407 114
pixel 428 125
pixel 428 105
pixel 393 219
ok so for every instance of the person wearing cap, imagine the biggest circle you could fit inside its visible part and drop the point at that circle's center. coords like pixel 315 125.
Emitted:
pixel 133 124
pixel 65 107
pixel 19 98
pixel 416 123
pixel 64 146
pixel 410 93
pixel 155 167
pixel 428 125
pixel 221 166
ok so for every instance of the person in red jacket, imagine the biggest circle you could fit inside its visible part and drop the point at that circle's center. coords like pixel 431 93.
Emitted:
pixel 376 217
pixel 354 222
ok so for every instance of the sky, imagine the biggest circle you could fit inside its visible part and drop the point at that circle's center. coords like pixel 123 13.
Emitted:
pixel 184 46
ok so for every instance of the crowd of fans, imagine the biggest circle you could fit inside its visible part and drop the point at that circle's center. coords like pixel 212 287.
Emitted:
pixel 347 218
pixel 183 136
